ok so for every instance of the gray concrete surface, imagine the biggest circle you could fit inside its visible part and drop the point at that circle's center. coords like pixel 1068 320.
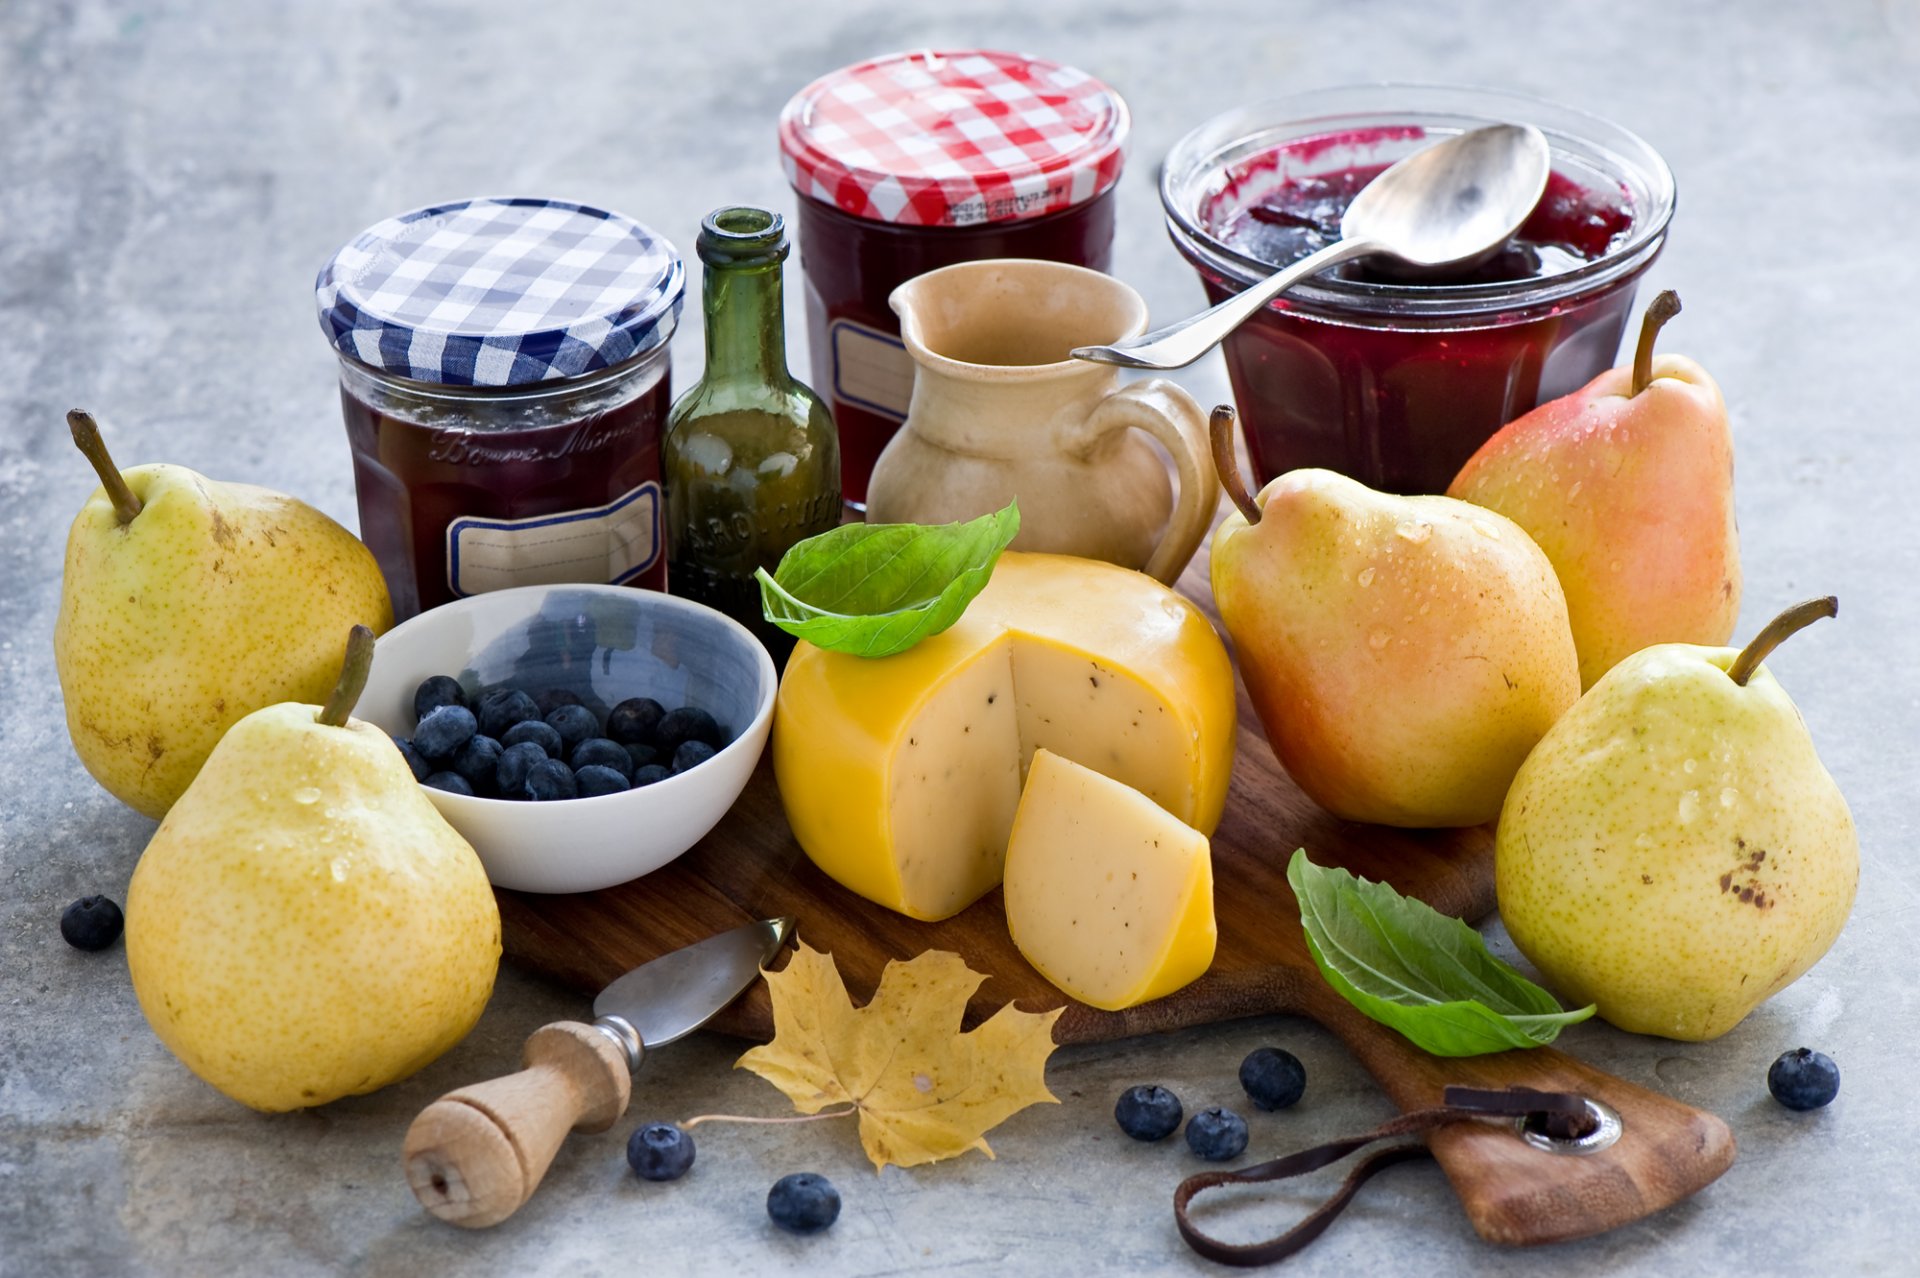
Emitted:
pixel 172 174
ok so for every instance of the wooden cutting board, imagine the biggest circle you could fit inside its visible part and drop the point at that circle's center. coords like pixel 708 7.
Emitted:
pixel 749 868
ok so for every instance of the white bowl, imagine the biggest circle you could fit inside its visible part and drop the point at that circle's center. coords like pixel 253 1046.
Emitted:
pixel 605 644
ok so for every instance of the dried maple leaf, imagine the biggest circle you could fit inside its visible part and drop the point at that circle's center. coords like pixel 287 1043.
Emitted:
pixel 924 1090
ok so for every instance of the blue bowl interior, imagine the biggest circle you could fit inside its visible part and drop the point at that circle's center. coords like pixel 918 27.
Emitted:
pixel 605 648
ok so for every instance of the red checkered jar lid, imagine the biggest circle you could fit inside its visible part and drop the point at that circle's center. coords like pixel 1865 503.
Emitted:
pixel 954 138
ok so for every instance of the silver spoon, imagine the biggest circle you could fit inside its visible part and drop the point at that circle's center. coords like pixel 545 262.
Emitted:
pixel 1450 205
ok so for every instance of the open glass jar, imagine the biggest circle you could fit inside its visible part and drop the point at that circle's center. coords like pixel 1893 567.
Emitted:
pixel 1392 382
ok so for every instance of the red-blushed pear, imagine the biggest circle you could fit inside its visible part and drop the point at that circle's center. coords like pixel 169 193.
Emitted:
pixel 1627 484
pixel 1404 653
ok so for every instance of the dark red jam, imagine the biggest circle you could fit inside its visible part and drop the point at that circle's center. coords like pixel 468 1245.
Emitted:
pixel 1570 227
pixel 852 265
pixel 1395 395
pixel 462 495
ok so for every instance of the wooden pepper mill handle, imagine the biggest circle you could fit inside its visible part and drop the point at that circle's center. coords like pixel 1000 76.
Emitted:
pixel 476 1154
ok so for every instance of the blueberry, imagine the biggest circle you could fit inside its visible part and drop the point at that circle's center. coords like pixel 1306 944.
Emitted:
pixel 516 761
pixel 1217 1134
pixel 548 780
pixel 598 752
pixel 1274 1079
pixel 593 780
pixel 634 721
pixel 477 761
pixel 440 690
pixel 451 782
pixel 541 734
pixel 1147 1112
pixel 94 923
pixel 502 708
pixel 803 1203
pixel 552 699
pixel 415 764
pixel 574 724
pixel 648 775
pixel 442 733
pixel 641 756
pixel 689 724
pixel 1800 1079
pixel 691 754
pixel 660 1151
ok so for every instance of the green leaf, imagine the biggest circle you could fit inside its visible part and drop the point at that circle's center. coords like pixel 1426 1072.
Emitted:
pixel 1419 971
pixel 877 589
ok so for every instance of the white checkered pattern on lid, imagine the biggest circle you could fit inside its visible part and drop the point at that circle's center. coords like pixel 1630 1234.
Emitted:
pixel 500 292
pixel 954 138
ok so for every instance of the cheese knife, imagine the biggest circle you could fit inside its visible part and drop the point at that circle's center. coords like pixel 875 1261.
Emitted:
pixel 476 1154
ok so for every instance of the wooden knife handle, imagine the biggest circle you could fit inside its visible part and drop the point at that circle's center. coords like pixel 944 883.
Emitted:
pixel 1521 1196
pixel 476 1154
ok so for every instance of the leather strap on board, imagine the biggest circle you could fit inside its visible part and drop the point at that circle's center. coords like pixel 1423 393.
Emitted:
pixel 1562 1115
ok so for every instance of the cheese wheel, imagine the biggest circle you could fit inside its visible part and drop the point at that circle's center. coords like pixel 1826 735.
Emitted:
pixel 1107 895
pixel 900 776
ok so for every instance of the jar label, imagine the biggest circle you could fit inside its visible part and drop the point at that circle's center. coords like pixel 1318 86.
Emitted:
pixel 871 368
pixel 611 543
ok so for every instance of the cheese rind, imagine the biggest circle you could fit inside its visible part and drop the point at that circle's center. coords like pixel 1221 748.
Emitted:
pixel 1107 895
pixel 900 776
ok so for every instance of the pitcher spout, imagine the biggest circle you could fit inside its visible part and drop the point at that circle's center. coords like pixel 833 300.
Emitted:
pixel 1012 319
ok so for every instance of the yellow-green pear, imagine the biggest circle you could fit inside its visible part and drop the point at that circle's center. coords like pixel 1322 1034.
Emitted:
pixel 1404 653
pixel 305 925
pixel 1673 850
pixel 187 603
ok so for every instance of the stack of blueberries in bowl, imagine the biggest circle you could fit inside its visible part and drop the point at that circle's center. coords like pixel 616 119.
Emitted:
pixel 648 712
pixel 508 744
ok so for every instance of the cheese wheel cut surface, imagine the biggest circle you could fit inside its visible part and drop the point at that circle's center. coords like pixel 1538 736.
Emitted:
pixel 900 776
pixel 1107 895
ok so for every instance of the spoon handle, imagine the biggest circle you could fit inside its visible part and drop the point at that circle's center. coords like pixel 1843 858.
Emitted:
pixel 1178 345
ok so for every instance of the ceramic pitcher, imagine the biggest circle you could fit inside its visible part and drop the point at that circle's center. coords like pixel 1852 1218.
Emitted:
pixel 1000 411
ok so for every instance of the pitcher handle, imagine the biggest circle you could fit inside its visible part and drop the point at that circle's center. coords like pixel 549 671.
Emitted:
pixel 1166 412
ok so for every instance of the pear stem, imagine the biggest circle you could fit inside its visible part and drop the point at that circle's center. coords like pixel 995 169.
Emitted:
pixel 353 679
pixel 1659 311
pixel 1220 433
pixel 1798 617
pixel 86 437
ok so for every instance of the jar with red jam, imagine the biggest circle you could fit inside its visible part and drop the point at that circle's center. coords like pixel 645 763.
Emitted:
pixel 914 161
pixel 1393 382
pixel 504 375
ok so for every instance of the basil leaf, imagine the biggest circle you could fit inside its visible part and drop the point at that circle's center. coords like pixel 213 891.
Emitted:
pixel 874 590
pixel 1419 971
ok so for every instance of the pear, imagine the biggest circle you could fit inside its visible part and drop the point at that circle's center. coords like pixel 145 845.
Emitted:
pixel 304 924
pixel 1672 850
pixel 1404 653
pixel 186 604
pixel 1627 484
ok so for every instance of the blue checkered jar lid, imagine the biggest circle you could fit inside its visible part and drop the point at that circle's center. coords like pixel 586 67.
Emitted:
pixel 501 292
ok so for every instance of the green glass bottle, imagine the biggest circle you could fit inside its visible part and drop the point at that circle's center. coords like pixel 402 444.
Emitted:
pixel 751 460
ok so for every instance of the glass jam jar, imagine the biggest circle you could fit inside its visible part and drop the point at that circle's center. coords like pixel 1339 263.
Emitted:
pixel 1392 382
pixel 914 161
pixel 504 377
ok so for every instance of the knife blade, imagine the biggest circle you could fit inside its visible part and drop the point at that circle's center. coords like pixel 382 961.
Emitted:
pixel 665 1000
pixel 476 1154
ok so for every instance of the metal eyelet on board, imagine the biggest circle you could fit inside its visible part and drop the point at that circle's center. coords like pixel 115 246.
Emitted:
pixel 1607 1129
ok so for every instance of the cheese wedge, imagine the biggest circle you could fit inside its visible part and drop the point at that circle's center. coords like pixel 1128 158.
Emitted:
pixel 900 776
pixel 1107 895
